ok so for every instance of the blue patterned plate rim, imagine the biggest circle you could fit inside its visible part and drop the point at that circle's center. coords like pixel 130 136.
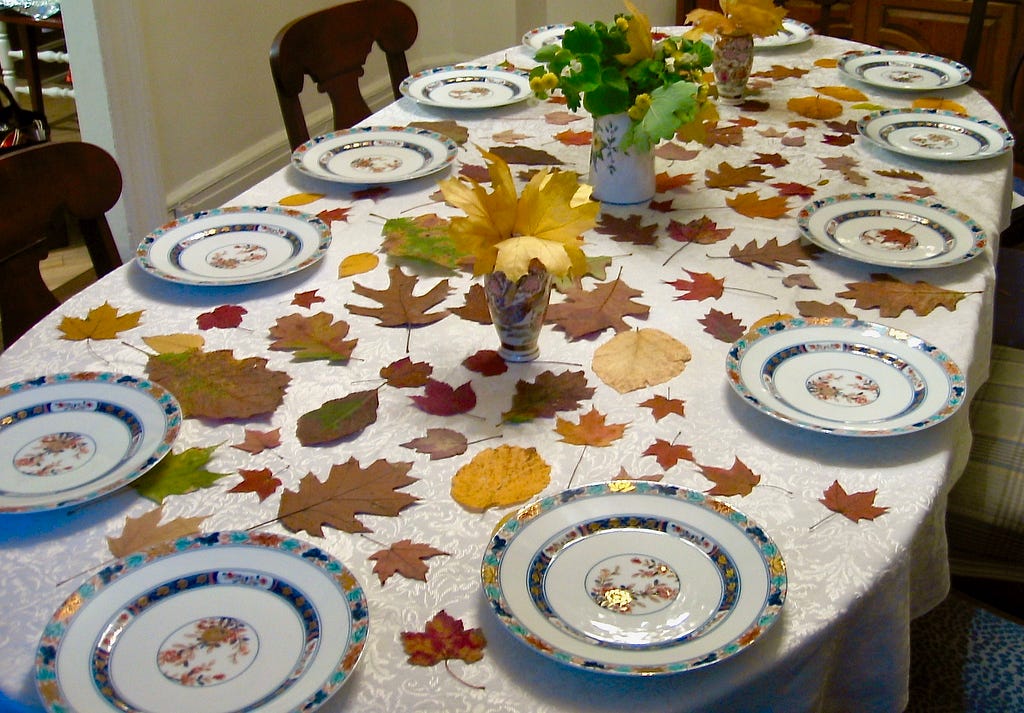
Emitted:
pixel 963 72
pixel 963 120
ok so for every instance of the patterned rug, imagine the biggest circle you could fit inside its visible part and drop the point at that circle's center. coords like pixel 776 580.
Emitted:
pixel 966 659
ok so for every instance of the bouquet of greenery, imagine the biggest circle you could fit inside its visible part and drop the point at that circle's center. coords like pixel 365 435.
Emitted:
pixel 616 68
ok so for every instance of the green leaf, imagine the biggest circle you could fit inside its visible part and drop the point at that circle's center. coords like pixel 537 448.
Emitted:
pixel 425 237
pixel 671 107
pixel 338 418
pixel 177 474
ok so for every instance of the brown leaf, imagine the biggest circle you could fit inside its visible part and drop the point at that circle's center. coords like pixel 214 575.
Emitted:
pixel 728 176
pixel 779 71
pixel 722 326
pixel 317 336
pixel 475 309
pixel 590 431
pixel 820 309
pixel 399 307
pixel 701 286
pixel 262 482
pixel 772 255
pixel 855 506
pixel 338 418
pixel 702 231
pixel 452 129
pixel 405 373
pixel 404 557
pixel 662 406
pixel 439 443
pixel 524 155
pixel 753 206
pixel 627 230
pixel 145 531
pixel 562 118
pixel 737 480
pixel 892 296
pixel 668 454
pixel 256 442
pixel 585 314
pixel 671 151
pixel 800 279
pixel 546 395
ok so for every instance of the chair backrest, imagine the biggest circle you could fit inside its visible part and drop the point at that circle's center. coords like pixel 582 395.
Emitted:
pixel 331 47
pixel 972 38
pixel 43 189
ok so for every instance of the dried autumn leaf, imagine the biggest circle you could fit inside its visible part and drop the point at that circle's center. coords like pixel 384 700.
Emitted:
pixel 668 454
pixel 255 442
pixel 547 395
pixel 590 431
pixel 298 199
pixel 753 206
pixel 778 72
pixel 772 254
pixel 440 443
pixel 722 326
pixel 174 343
pixel 585 313
pixel 425 237
pixel 307 299
pixel 663 182
pixel 102 322
pixel 223 317
pixel 892 296
pixel 216 385
pixel 349 490
pixel 800 279
pixel 338 418
pixel 809 308
pixel 671 151
pixel 940 104
pixel 816 107
pixel 314 337
pixel 737 480
pixel 262 482
pixel 662 406
pixel 399 306
pixel 728 176
pixel 452 129
pixel 843 93
pixel 487 362
pixel 509 136
pixel 475 309
pixel 441 399
pixel 702 231
pixel 702 286
pixel 855 506
pixel 575 138
pixel 628 229
pixel 405 373
pixel 444 638
pixel 637 359
pixel 177 474
pixel 145 531
pixel 499 477
pixel 404 557
pixel 329 215
pixel 357 264
pixel 525 155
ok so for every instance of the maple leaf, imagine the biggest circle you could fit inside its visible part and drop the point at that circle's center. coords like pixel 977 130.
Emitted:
pixel 223 317
pixel 892 296
pixel 338 418
pixel 334 214
pixel 793 189
pixel 307 299
pixel 590 431
pixel 524 155
pixel 854 506
pixel 425 237
pixel 838 140
pixel 722 326
pixel 177 474
pixel 587 313
pixel 753 206
pixel 702 286
pixel 475 309
pixel 921 191
pixel 357 264
pixel 404 557
pixel 480 174
pixel 349 490
pixel 661 206
pixel 737 480
pixel 452 129
pixel 145 531
pixel 487 362
pixel 663 183
pixel 575 138
pixel 728 176
pixel 262 482
pixel 627 230
pixel 546 395
pixel 216 385
pixel 779 72
pixel 668 454
pixel 702 231
pixel 372 193
pixel 499 477
pixel 662 406
pixel 102 322
pixel 314 337
pixel 255 442
pixel 771 159
pixel 440 443
pixel 440 399
pixel 399 307
pixel 843 127
pixel 772 255
pixel 723 136
pixel 174 343
pixel 444 638
pixel 405 373
pixel 819 309
pixel 637 359
pixel 623 474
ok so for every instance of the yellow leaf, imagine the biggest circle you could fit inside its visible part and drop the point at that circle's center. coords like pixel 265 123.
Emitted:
pixel 145 531
pixel 357 264
pixel 498 477
pixel 175 343
pixel 638 34
pixel 815 107
pixel 769 319
pixel 103 322
pixel 515 255
pixel 633 360
pixel 940 104
pixel 848 94
pixel 297 199
pixel 827 62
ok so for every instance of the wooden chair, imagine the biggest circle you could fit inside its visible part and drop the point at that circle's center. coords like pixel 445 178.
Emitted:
pixel 331 47
pixel 45 189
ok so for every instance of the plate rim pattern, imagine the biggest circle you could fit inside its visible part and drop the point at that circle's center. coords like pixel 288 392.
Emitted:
pixel 406 86
pixel 964 70
pixel 864 123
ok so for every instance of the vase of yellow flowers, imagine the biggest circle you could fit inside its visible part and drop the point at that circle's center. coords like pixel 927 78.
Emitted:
pixel 734 29
pixel 638 92
pixel 519 243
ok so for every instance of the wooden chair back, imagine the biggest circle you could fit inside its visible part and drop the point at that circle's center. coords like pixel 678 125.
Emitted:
pixel 45 189
pixel 331 46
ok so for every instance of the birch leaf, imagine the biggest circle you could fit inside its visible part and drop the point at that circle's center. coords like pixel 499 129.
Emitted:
pixel 636 359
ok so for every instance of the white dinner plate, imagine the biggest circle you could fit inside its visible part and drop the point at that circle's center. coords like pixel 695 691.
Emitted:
pixel 634 578
pixel 70 438
pixel 892 230
pixel 793 32
pixel 935 135
pixel 900 69
pixel 375 154
pixel 845 377
pixel 234 246
pixel 219 623
pixel 468 86
pixel 542 36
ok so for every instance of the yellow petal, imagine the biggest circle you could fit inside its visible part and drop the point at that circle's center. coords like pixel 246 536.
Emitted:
pixel 515 255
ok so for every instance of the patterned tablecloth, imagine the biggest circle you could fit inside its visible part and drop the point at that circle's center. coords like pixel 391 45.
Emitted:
pixel 841 643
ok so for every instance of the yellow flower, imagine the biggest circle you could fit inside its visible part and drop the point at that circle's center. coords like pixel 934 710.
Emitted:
pixel 738 17
pixel 638 33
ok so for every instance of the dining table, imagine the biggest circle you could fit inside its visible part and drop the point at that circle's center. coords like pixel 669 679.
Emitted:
pixel 722 259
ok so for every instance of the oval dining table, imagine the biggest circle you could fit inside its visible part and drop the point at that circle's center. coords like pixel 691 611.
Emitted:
pixel 852 584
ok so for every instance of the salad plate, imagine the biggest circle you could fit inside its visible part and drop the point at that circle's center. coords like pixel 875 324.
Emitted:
pixel 234 246
pixel 793 32
pixel 892 230
pixel 935 135
pixel 375 154
pixel 903 70
pixel 845 377
pixel 71 438
pixel 545 35
pixel 468 86
pixel 634 578
pixel 219 623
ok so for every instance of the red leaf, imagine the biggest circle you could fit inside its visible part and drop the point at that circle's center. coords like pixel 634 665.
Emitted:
pixel 443 638
pixel 440 399
pixel 855 506
pixel 722 326
pixel 262 482
pixel 487 362
pixel 372 193
pixel 332 214
pixel 661 406
pixel 668 454
pixel 702 286
pixel 223 317
pixel 737 480
pixel 307 299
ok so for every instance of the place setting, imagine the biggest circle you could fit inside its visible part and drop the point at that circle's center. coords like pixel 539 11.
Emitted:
pixel 468 86
pixel 903 71
pixel 935 135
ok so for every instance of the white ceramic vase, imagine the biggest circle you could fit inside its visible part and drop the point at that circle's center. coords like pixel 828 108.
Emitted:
pixel 619 176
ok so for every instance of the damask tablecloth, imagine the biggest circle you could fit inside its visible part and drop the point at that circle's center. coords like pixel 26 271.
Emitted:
pixel 841 643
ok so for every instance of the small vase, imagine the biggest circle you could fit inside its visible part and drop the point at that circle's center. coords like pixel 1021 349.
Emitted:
pixel 619 176
pixel 733 57
pixel 517 310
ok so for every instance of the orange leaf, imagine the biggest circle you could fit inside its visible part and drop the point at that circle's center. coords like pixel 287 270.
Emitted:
pixel 498 477
pixel 753 206
pixel 262 482
pixel 938 103
pixel 668 454
pixel 737 480
pixel 444 638
pixel 663 183
pixel 855 506
pixel 728 176
pixel 662 406
pixel 575 138
pixel 842 93
pixel 590 431
pixel 815 107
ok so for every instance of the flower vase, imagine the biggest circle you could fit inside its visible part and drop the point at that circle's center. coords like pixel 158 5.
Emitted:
pixel 517 311
pixel 733 57
pixel 619 176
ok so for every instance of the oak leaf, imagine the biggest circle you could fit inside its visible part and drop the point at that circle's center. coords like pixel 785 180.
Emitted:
pixel 255 442
pixel 262 482
pixel 810 308
pixel 668 454
pixel 637 359
pixel 404 557
pixel 753 206
pixel 349 490
pixel 722 326
pixel 399 306
pixel 737 480
pixel 590 431
pixel 444 638
pixel 586 313
pixel 499 477
pixel 662 406
pixel 314 337
pixel 892 296
pixel 222 317
pixel 728 176
pixel 177 474
pixel 338 418
pixel 145 531
pixel 102 322
pixel 546 395
pixel 439 443
pixel 772 254
pixel 216 385
pixel 441 399
pixel 854 506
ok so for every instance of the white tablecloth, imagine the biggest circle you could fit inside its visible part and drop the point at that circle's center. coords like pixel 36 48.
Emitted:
pixel 842 641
